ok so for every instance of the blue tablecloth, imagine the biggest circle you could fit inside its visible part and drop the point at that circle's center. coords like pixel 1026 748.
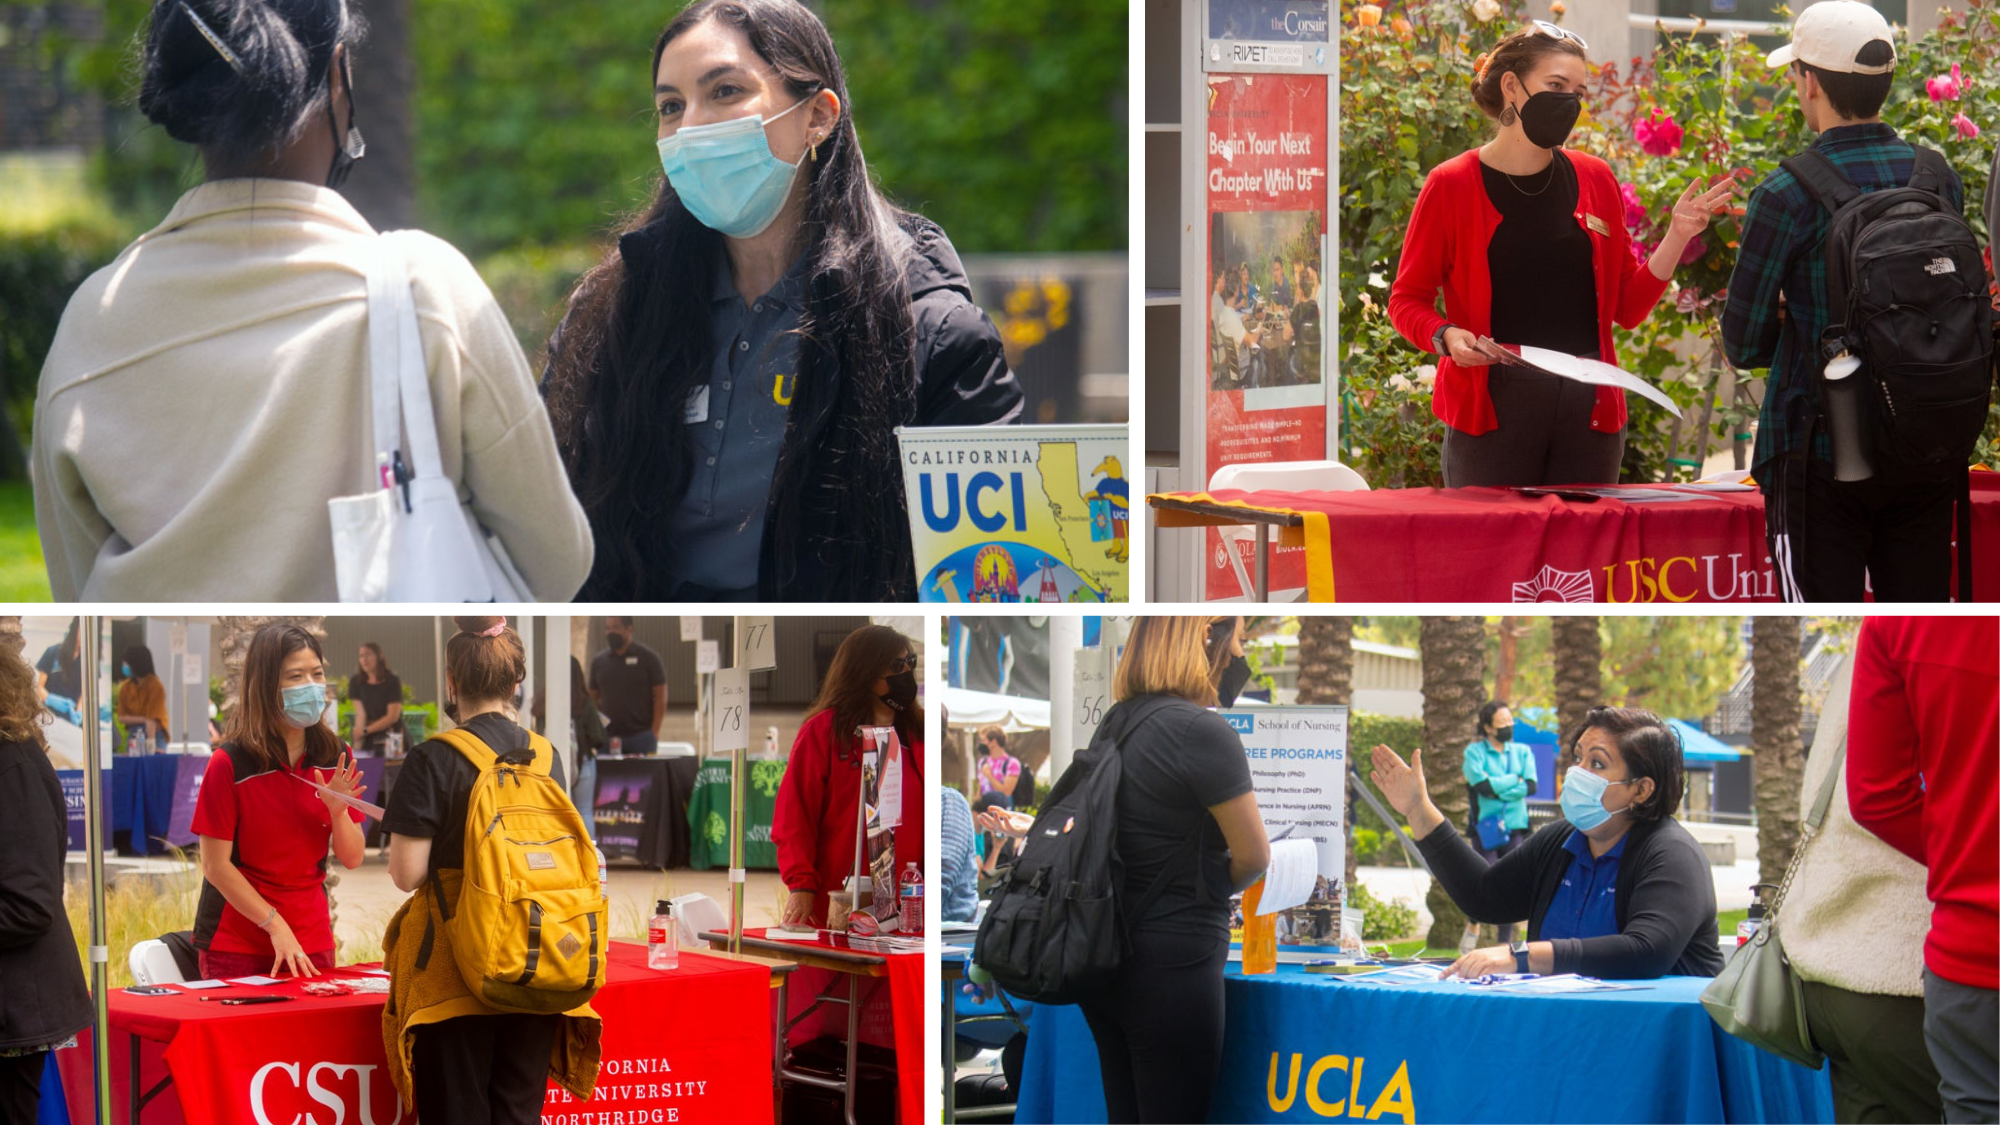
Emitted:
pixel 991 1027
pixel 1448 1052
pixel 143 794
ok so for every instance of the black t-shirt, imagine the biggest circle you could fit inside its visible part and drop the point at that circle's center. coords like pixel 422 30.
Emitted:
pixel 624 682
pixel 375 699
pixel 434 788
pixel 1179 762
pixel 64 673
pixel 1544 281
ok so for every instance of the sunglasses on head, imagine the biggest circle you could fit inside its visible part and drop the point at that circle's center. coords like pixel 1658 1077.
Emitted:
pixel 1555 32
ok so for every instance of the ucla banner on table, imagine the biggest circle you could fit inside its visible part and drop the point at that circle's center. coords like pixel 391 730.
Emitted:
pixel 1018 513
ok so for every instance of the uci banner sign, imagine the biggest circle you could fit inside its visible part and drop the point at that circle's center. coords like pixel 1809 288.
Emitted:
pixel 1018 513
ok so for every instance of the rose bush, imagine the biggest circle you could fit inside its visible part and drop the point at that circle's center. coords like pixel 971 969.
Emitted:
pixel 1701 107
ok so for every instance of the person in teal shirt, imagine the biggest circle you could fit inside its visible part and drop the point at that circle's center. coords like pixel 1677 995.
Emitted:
pixel 1501 775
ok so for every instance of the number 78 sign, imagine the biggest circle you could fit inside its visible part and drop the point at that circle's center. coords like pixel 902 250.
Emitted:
pixel 729 721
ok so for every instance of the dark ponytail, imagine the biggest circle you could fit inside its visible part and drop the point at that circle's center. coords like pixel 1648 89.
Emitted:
pixel 252 101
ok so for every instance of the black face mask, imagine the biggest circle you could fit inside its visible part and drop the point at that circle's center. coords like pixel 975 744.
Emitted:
pixel 618 641
pixel 1548 117
pixel 902 691
pixel 1235 674
pixel 348 149
pixel 1503 735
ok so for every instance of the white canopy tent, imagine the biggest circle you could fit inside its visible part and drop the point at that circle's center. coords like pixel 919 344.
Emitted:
pixel 1012 713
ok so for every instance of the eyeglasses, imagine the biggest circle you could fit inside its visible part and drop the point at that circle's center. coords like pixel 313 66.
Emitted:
pixel 908 663
pixel 1555 32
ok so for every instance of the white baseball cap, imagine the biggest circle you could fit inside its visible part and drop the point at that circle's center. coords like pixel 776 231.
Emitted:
pixel 1829 35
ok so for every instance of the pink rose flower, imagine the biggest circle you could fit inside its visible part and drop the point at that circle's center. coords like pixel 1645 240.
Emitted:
pixel 1658 133
pixel 1966 129
pixel 1635 208
pixel 1945 88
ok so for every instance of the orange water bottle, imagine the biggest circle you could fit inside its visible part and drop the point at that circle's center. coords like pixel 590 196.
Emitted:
pixel 1260 933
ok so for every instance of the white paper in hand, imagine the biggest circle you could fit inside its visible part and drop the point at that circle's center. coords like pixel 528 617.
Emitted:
pixel 1289 880
pixel 1595 373
pixel 374 810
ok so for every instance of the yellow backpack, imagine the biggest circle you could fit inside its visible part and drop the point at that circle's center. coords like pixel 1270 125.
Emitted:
pixel 531 923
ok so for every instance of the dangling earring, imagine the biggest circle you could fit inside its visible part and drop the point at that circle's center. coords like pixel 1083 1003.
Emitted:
pixel 815 150
pixel 1508 116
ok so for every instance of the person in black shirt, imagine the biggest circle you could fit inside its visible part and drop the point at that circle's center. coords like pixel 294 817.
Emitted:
pixel 1617 889
pixel 60 670
pixel 1189 837
pixel 628 682
pixel 488 1067
pixel 378 701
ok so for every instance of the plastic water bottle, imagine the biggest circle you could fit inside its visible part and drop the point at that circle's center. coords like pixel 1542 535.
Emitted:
pixel 603 872
pixel 912 900
pixel 663 946
pixel 1748 927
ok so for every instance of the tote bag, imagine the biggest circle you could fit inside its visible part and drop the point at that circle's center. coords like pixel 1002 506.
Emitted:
pixel 409 538
pixel 1757 997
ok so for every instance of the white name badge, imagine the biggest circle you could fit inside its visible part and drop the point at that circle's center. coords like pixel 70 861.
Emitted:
pixel 697 406
pixel 631 660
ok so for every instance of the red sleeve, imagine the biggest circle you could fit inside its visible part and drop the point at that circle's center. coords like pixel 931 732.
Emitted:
pixel 1885 788
pixel 215 805
pixel 1638 289
pixel 801 802
pixel 1420 272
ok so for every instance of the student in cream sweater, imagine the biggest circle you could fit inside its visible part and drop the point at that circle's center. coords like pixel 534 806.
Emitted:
pixel 208 392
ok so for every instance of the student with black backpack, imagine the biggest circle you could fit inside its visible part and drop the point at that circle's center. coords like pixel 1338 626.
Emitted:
pixel 1859 285
pixel 1120 898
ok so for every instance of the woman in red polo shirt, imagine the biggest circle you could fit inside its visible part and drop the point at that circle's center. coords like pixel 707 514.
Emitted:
pixel 1528 242
pixel 872 682
pixel 265 832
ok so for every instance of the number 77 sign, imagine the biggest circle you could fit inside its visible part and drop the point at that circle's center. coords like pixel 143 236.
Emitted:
pixel 729 722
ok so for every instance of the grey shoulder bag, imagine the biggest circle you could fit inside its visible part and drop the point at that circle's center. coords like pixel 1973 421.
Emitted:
pixel 1757 997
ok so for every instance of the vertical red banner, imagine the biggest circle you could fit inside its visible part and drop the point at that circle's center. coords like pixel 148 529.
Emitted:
pixel 1267 301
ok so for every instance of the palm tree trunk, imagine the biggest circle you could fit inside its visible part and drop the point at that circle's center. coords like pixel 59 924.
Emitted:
pixel 1454 659
pixel 1777 760
pixel 1326 677
pixel 1578 651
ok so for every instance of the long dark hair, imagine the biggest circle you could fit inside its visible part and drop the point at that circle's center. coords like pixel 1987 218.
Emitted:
pixel 140 659
pixel 849 689
pixel 381 663
pixel 632 347
pixel 258 724
pixel 276 86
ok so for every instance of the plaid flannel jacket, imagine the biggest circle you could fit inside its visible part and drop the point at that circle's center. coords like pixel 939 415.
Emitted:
pixel 1782 250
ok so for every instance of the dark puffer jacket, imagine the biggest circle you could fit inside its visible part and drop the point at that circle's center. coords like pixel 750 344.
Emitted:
pixel 43 999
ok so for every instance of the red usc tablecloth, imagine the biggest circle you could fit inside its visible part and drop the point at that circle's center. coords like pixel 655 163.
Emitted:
pixel 691 1045
pixel 1496 545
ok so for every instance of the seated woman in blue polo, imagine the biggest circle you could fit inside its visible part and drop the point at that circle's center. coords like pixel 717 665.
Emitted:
pixel 1616 889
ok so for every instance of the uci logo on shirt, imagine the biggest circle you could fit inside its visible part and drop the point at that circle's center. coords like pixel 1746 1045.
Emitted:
pixel 293 1093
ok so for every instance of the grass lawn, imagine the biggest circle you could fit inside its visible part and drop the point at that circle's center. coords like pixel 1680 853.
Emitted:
pixel 1726 922
pixel 23 578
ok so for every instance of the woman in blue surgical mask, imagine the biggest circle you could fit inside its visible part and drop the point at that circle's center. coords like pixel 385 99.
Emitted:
pixel 726 384
pixel 1616 888
pixel 269 813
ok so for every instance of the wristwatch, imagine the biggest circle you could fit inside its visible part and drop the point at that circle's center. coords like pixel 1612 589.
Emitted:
pixel 1437 338
pixel 1520 949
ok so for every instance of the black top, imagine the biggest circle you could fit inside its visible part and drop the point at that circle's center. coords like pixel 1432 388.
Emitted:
pixel 65 677
pixel 375 698
pixel 1178 763
pixel 1544 282
pixel 435 787
pixel 1664 902
pixel 44 999
pixel 624 682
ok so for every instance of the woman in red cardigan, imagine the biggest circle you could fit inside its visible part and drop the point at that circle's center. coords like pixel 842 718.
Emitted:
pixel 1528 243
pixel 872 682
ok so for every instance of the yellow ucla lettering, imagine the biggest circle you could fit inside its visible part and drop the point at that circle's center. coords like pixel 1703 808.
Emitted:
pixel 1319 1104
pixel 1354 1089
pixel 1404 1105
pixel 1280 1105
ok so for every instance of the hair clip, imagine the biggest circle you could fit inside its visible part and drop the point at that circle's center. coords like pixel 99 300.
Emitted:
pixel 214 40
pixel 497 629
pixel 1479 65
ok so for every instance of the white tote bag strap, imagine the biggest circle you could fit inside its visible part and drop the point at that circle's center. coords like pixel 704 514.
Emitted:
pixel 397 374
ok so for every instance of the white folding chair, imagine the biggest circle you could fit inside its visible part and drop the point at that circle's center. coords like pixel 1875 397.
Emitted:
pixel 1277 476
pixel 152 962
